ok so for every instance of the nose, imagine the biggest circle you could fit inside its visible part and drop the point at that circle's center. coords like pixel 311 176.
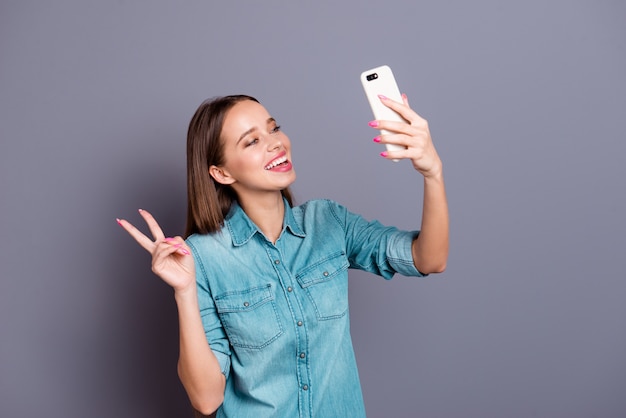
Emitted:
pixel 275 144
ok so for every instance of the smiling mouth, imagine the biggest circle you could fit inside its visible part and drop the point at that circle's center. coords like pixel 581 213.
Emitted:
pixel 278 161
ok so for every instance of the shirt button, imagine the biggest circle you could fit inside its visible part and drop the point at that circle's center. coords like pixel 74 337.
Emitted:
pixel 276 261
pixel 299 323
pixel 289 289
pixel 246 304
pixel 305 387
pixel 325 274
pixel 302 355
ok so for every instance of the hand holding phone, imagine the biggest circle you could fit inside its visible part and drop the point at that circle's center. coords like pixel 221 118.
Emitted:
pixel 380 81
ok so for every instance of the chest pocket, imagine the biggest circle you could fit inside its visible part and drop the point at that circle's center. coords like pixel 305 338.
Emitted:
pixel 326 284
pixel 249 317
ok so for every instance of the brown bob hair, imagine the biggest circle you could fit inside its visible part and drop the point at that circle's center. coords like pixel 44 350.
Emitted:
pixel 208 201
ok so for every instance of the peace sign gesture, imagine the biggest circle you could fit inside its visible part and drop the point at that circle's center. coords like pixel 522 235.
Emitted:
pixel 171 258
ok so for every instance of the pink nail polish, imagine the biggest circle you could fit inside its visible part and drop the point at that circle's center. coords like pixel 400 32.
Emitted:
pixel 377 139
pixel 373 123
pixel 383 154
pixel 380 96
pixel 119 221
pixel 181 249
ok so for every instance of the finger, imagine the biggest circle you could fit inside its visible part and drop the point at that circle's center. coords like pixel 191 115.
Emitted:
pixel 178 243
pixel 402 109
pixel 401 140
pixel 393 127
pixel 164 255
pixel 165 249
pixel 394 155
pixel 156 230
pixel 141 239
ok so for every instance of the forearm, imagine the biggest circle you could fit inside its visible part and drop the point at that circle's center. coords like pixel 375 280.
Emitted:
pixel 430 248
pixel 198 368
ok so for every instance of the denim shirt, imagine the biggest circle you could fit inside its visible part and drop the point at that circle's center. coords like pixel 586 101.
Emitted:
pixel 276 315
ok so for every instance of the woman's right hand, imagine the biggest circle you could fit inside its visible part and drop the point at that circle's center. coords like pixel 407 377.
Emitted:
pixel 171 257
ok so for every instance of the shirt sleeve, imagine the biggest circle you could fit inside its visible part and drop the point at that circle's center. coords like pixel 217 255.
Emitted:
pixel 215 334
pixel 374 247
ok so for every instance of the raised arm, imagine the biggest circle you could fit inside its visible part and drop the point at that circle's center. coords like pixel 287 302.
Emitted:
pixel 198 368
pixel 430 248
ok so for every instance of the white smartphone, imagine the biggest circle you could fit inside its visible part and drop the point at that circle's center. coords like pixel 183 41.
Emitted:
pixel 380 80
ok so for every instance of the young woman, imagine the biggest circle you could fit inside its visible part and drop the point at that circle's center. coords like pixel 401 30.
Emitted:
pixel 261 286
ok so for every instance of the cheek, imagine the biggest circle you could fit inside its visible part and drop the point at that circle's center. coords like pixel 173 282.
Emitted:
pixel 286 141
pixel 246 162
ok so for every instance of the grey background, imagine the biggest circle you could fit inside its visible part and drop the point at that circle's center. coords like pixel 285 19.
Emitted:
pixel 526 103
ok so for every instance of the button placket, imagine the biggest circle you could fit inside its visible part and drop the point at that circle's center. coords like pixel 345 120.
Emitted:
pixel 301 341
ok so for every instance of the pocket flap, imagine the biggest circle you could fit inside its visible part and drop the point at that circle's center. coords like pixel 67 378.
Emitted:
pixel 244 300
pixel 323 270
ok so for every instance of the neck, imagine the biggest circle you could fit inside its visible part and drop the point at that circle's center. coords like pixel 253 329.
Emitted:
pixel 267 212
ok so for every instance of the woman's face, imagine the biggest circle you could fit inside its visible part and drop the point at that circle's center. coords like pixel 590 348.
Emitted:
pixel 257 153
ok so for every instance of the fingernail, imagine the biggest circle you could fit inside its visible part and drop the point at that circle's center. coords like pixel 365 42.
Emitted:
pixel 380 96
pixel 168 239
pixel 119 221
pixel 373 123
pixel 377 139
pixel 182 250
pixel 383 154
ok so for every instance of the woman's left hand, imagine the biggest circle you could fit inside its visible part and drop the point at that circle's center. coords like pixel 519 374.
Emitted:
pixel 413 135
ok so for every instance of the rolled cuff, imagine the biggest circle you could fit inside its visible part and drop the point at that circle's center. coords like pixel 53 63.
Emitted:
pixel 400 254
pixel 224 361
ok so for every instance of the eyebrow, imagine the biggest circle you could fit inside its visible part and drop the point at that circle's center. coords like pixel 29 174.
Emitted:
pixel 254 128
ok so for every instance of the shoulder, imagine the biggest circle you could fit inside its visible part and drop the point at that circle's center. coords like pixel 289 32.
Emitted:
pixel 319 205
pixel 315 213
pixel 212 241
pixel 199 238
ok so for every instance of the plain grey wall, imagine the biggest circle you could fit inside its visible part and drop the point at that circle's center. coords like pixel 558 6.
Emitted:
pixel 526 103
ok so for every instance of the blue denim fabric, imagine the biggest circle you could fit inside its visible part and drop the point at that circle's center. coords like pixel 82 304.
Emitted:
pixel 276 315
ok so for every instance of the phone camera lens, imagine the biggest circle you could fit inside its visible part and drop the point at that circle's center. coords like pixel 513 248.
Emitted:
pixel 372 76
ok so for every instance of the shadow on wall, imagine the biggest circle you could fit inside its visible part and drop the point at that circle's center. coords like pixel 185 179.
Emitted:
pixel 142 316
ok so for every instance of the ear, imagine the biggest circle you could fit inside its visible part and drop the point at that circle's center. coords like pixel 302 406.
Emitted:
pixel 220 175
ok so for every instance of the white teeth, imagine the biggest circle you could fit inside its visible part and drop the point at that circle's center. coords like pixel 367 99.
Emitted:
pixel 276 162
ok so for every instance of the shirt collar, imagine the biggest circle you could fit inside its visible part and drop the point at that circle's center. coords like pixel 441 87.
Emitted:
pixel 242 228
